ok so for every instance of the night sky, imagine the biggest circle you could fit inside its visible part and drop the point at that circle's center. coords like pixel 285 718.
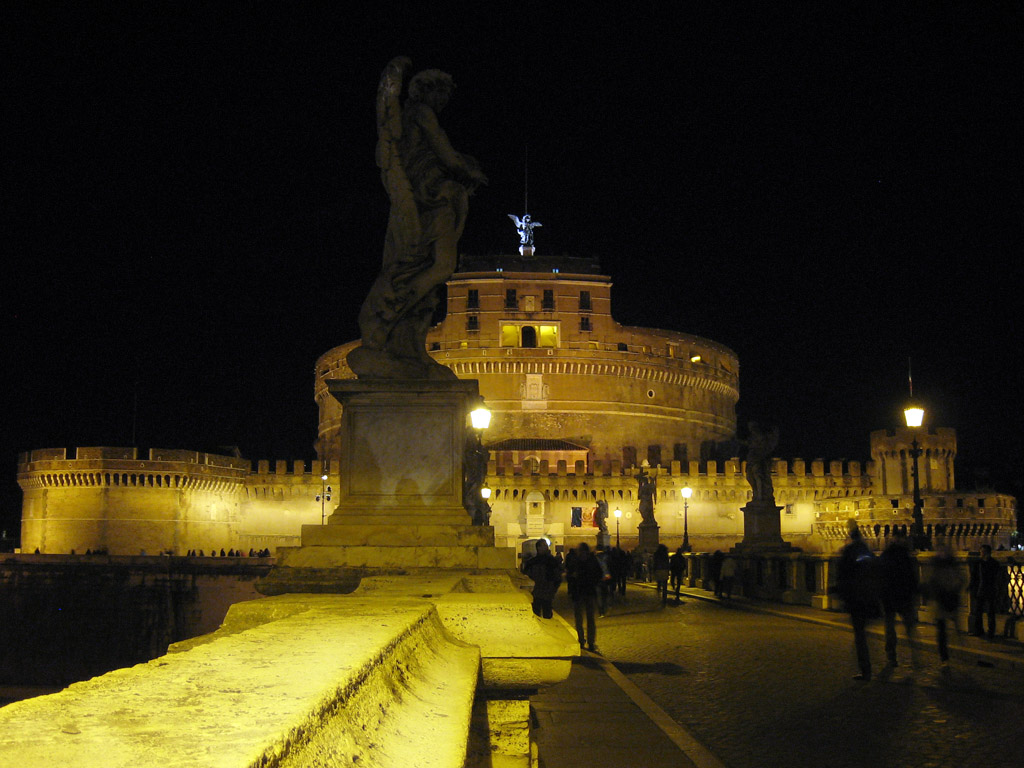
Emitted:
pixel 192 214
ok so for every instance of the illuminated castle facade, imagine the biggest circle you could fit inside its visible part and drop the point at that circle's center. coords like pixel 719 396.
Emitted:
pixel 580 403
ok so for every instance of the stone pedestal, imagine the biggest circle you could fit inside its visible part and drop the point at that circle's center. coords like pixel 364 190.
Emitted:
pixel 762 528
pixel 604 540
pixel 648 537
pixel 399 491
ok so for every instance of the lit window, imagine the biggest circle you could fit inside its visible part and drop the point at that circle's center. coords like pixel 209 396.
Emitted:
pixel 510 336
pixel 548 336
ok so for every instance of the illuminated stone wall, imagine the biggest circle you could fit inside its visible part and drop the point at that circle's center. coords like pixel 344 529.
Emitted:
pixel 553 363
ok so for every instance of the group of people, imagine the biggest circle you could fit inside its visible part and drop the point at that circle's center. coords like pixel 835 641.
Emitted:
pixel 591 578
pixel 887 586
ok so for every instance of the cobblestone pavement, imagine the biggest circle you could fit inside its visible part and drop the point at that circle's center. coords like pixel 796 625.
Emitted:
pixel 760 690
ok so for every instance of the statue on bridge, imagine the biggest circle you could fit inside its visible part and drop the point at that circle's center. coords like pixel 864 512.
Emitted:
pixel 646 490
pixel 429 185
pixel 760 445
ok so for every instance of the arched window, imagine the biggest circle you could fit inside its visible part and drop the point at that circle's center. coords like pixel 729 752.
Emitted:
pixel 529 336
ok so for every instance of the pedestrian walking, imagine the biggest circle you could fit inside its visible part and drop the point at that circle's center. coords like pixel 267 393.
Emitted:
pixel 604 587
pixel 582 575
pixel 660 567
pixel 727 576
pixel 900 595
pixel 618 564
pixel 986 584
pixel 677 569
pixel 715 571
pixel 857 585
pixel 545 572
pixel 944 588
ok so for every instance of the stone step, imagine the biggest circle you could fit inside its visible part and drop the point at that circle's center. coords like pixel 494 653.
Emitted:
pixel 370 533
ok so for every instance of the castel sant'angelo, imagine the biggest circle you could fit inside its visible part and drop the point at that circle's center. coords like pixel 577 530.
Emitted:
pixel 580 405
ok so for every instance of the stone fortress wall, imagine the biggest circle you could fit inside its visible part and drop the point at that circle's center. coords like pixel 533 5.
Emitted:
pixel 563 379
pixel 539 336
pixel 105 498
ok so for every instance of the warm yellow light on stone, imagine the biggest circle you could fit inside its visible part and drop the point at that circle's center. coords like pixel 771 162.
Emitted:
pixel 618 513
pixel 695 359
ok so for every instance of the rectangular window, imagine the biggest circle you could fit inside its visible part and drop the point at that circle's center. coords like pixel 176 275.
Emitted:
pixel 510 336
pixel 510 299
pixel 623 347
pixel 472 323
pixel 981 503
pixel 473 299
pixel 577 518
pixel 584 323
pixel 960 503
pixel 548 336
pixel 584 300
pixel 548 300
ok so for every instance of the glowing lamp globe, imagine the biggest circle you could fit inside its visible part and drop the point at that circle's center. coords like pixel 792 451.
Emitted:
pixel 914 415
pixel 480 418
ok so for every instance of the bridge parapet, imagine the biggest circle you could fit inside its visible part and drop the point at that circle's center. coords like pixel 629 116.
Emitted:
pixel 290 682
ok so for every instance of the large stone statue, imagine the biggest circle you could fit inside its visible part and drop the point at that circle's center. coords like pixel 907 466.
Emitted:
pixel 601 516
pixel 760 445
pixel 429 185
pixel 646 489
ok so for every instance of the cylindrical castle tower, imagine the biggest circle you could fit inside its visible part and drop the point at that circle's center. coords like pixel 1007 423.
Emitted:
pixel 539 336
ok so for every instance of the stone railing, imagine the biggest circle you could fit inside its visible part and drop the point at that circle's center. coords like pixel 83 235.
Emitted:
pixel 809 579
pixel 443 663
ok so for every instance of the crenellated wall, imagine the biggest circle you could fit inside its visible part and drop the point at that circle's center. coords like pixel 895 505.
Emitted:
pixel 109 499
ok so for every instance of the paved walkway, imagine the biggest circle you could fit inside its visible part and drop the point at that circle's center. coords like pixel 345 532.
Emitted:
pixel 752 684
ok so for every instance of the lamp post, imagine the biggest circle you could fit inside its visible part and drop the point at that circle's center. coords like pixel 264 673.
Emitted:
pixel 618 515
pixel 687 493
pixel 324 496
pixel 914 415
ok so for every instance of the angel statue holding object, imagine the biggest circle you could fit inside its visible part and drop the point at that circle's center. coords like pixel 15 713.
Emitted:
pixel 429 185
pixel 525 227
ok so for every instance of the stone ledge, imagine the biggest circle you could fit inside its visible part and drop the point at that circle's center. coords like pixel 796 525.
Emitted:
pixel 396 559
pixel 366 533
pixel 297 681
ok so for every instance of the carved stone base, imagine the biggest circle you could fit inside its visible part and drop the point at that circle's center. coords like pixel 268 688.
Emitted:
pixel 762 528
pixel 648 537
pixel 399 491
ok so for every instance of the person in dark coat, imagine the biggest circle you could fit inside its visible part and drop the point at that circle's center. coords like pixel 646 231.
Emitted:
pixel 715 571
pixel 677 569
pixel 545 572
pixel 899 594
pixel 985 589
pixel 661 568
pixel 582 575
pixel 944 587
pixel 857 585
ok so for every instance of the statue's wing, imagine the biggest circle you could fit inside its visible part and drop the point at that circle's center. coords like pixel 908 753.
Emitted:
pixel 516 219
pixel 404 224
pixel 389 109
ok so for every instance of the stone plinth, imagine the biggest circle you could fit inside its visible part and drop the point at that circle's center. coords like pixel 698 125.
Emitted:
pixel 399 493
pixel 402 449
pixel 648 538
pixel 762 528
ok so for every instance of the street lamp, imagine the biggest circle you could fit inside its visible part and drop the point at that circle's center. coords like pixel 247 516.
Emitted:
pixel 687 493
pixel 618 514
pixel 480 418
pixel 914 415
pixel 324 496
